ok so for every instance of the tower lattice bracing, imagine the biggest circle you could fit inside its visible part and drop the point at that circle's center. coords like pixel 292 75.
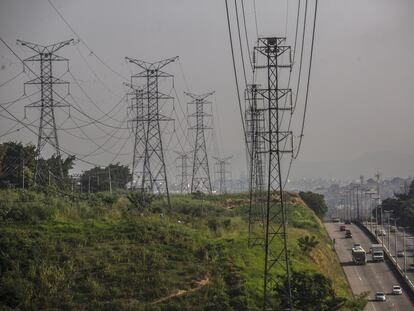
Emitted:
pixel 138 112
pixel 221 172
pixel 278 141
pixel 154 173
pixel 254 118
pixel 200 179
pixel 47 132
pixel 183 171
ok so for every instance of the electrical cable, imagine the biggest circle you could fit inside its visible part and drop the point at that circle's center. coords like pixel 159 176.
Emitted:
pixel 240 43
pixel 308 80
pixel 11 79
pixel 86 45
pixel 246 34
pixel 235 76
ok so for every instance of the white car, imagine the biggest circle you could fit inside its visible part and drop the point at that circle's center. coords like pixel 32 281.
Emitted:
pixel 396 290
pixel 400 254
pixel 356 245
pixel 381 232
pixel 380 296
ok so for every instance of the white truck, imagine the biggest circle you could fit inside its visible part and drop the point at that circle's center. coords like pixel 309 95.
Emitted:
pixel 377 252
pixel 359 256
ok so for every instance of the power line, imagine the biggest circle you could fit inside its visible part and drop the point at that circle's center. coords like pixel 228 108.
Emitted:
pixel 308 82
pixel 235 75
pixel 246 34
pixel 240 43
pixel 86 45
pixel 11 79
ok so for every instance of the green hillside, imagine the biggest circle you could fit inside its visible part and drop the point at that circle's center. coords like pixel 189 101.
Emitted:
pixel 100 251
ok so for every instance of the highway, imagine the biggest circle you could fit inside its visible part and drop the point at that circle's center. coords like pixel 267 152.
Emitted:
pixel 372 277
pixel 409 259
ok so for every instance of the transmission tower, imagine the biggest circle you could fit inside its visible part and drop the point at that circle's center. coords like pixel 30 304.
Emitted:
pixel 154 173
pixel 254 118
pixel 138 111
pixel 272 49
pixel 200 179
pixel 183 169
pixel 47 132
pixel 221 172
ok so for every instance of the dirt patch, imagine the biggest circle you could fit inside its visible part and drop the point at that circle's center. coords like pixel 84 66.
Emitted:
pixel 180 292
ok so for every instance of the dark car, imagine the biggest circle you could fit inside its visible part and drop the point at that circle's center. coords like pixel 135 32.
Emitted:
pixel 348 234
pixel 347 222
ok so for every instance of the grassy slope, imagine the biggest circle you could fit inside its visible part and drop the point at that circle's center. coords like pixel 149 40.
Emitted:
pixel 95 255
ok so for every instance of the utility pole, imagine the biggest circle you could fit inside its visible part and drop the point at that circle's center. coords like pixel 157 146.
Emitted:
pixel 379 205
pixel 109 179
pixel 139 114
pixel 154 175
pixel 221 171
pixel 357 202
pixel 47 132
pixel 273 50
pixel 23 170
pixel 200 178
pixel 254 118
pixel 183 169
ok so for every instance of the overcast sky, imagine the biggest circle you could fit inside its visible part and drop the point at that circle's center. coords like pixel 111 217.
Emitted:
pixel 361 97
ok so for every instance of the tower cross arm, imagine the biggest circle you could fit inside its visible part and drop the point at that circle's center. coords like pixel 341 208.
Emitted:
pixel 41 49
pixel 151 66
pixel 199 97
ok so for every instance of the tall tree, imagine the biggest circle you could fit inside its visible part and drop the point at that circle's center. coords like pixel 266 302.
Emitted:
pixel 17 163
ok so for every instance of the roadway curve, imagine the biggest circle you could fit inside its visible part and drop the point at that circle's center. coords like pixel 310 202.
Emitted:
pixel 372 277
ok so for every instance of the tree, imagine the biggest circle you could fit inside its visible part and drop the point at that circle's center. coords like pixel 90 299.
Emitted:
pixel 307 243
pixel 14 158
pixel 98 178
pixel 315 201
pixel 311 292
pixel 49 170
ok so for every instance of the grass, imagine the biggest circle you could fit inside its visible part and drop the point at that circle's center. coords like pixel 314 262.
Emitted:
pixel 100 253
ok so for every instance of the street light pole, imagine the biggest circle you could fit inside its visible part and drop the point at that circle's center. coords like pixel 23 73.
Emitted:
pixel 389 229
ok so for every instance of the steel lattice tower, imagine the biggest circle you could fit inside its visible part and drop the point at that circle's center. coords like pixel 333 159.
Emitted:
pixel 221 171
pixel 200 179
pixel 276 137
pixel 154 175
pixel 47 132
pixel 138 111
pixel 183 169
pixel 254 118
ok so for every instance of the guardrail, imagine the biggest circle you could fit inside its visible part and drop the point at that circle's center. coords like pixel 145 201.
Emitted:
pixel 392 262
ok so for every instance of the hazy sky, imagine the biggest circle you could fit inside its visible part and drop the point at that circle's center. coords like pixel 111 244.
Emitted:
pixel 361 97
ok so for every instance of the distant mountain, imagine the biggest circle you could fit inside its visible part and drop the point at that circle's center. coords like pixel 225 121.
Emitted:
pixel 388 163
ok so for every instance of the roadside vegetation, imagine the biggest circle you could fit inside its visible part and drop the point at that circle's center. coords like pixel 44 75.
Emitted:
pixel 402 207
pixel 104 251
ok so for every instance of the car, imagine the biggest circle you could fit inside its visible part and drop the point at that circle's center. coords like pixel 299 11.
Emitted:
pixel 356 245
pixel 380 296
pixel 347 222
pixel 380 232
pixel 348 234
pixel 396 290
pixel 401 253
pixel 393 229
pixel 342 227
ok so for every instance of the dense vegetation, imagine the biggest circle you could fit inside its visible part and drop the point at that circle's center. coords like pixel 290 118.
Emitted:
pixel 315 201
pixel 18 167
pixel 402 207
pixel 102 251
